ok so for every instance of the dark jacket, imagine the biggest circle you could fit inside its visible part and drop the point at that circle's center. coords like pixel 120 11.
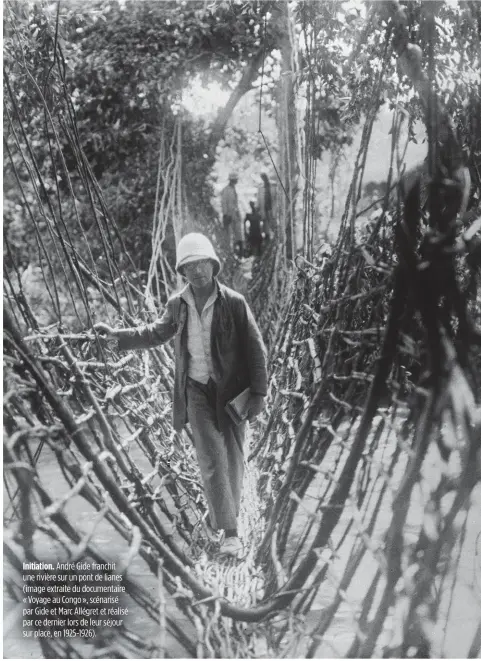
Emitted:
pixel 238 352
pixel 254 218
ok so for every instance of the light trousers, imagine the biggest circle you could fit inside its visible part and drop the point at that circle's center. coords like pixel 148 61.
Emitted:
pixel 218 446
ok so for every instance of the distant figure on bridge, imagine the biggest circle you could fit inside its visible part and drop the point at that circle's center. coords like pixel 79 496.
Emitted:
pixel 265 204
pixel 231 216
pixel 219 353
pixel 253 230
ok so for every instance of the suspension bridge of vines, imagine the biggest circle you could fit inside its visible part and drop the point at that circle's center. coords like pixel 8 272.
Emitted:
pixel 360 513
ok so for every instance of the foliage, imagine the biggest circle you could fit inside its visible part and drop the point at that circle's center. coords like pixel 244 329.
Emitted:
pixel 129 64
pixel 126 64
pixel 344 53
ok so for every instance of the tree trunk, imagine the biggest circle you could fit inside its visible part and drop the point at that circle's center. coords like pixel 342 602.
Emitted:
pixel 288 130
pixel 249 75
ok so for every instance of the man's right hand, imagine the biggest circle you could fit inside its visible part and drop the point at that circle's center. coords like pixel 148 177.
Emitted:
pixel 105 331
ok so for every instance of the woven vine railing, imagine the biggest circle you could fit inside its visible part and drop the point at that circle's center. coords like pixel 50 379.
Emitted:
pixel 359 512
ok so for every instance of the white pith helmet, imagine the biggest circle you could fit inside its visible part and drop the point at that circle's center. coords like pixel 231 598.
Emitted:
pixel 195 246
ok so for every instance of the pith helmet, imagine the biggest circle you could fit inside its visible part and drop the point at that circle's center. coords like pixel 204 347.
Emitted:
pixel 195 246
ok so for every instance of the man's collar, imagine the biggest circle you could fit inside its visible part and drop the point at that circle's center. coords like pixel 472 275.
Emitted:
pixel 187 294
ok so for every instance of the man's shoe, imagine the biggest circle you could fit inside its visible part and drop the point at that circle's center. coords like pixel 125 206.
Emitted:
pixel 231 546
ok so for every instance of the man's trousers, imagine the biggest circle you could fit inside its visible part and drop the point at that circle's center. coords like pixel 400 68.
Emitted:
pixel 219 453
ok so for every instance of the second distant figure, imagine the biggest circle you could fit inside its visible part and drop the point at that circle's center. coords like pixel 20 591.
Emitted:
pixel 231 216
pixel 253 227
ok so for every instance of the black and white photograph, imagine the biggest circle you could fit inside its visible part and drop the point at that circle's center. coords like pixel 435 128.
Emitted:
pixel 242 329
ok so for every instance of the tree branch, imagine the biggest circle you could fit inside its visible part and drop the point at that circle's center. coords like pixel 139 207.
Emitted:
pixel 245 85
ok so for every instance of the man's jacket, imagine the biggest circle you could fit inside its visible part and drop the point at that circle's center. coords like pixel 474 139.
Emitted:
pixel 238 351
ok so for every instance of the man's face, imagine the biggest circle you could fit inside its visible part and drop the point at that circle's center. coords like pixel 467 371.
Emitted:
pixel 199 273
pixel 234 181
